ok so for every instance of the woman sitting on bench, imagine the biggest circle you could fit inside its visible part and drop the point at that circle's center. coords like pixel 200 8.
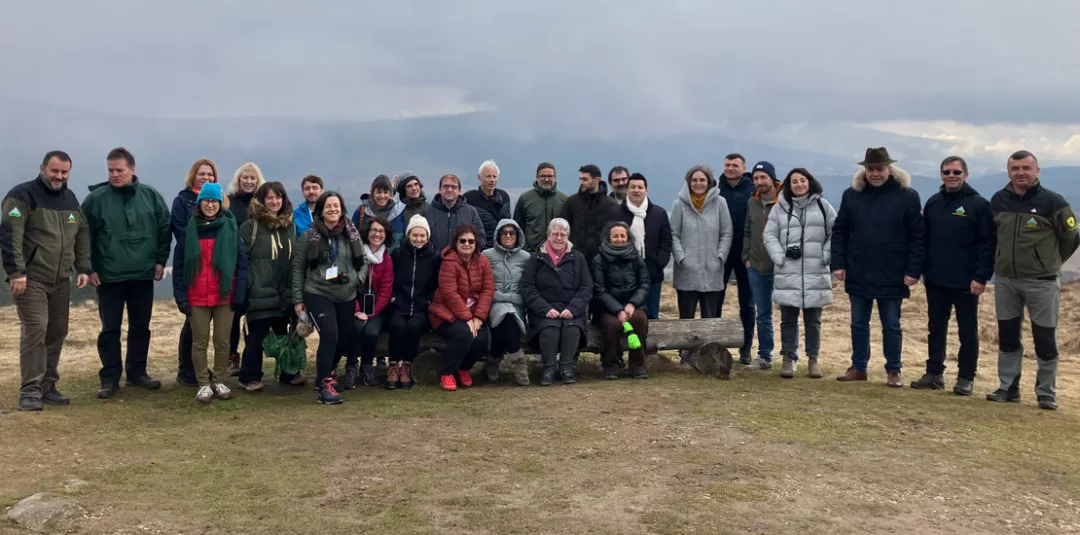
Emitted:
pixel 621 286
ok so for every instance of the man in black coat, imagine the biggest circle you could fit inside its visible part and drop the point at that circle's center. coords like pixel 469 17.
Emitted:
pixel 652 231
pixel 491 203
pixel 878 246
pixel 587 211
pixel 960 241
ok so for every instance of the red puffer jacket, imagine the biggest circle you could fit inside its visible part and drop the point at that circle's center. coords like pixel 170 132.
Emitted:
pixel 457 283
pixel 203 291
pixel 380 282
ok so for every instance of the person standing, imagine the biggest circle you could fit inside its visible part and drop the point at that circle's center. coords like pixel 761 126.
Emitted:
pixel 44 240
pixel 618 179
pixel 492 203
pixel 130 235
pixel 537 207
pixel 247 179
pixel 587 211
pixel 411 193
pixel 960 242
pixel 312 188
pixel 759 265
pixel 700 242
pixel 878 246
pixel 1036 235
pixel 448 211
pixel 651 229
pixel 737 188
pixel 202 172
pixel 380 203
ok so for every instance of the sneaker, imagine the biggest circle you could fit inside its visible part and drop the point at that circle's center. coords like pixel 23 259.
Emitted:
pixel 253 386
pixel 108 389
pixel 186 379
pixel 894 380
pixel 813 369
pixel 448 383
pixel 464 379
pixel 392 377
pixel 1047 403
pixel 369 375
pixel 54 397
pixel 205 395
pixel 787 369
pixel 491 369
pixel 31 403
pixel 405 375
pixel 963 387
pixel 611 375
pixel 929 381
pixel 349 382
pixel 547 377
pixel 1001 396
pixel 641 373
pixel 222 391
pixel 852 375
pixel 567 374
pixel 758 364
pixel 234 364
pixel 328 394
pixel 144 381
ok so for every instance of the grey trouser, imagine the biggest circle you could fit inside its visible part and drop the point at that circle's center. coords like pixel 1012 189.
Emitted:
pixel 1042 298
pixel 43 316
pixel 789 331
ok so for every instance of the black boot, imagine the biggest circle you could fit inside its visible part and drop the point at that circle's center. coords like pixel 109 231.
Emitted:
pixel 108 389
pixel 491 369
pixel 144 381
pixel 1001 395
pixel 929 381
pixel 54 397
pixel 567 374
pixel 369 374
pixel 548 376
pixel 31 403
pixel 349 382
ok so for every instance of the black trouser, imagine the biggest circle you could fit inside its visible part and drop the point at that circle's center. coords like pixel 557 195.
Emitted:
pixel 559 341
pixel 505 337
pixel 611 351
pixel 462 348
pixel 689 300
pixel 234 335
pixel 138 296
pixel 334 323
pixel 251 363
pixel 747 312
pixel 184 365
pixel 940 302
pixel 365 339
pixel 405 334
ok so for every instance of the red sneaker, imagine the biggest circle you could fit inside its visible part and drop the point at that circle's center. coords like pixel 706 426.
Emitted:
pixel 464 379
pixel 448 383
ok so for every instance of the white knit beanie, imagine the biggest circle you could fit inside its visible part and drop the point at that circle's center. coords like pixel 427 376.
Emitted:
pixel 417 221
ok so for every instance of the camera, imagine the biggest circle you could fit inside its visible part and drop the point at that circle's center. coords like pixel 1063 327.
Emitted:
pixel 793 252
pixel 340 279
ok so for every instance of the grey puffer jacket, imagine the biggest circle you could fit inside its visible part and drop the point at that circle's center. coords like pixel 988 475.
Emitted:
pixel 806 282
pixel 507 266
pixel 700 242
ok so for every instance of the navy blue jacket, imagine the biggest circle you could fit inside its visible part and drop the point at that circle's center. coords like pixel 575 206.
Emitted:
pixel 657 236
pixel 180 288
pixel 879 237
pixel 738 201
pixel 960 239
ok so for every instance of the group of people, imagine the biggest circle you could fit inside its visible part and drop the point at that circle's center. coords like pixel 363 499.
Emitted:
pixel 488 279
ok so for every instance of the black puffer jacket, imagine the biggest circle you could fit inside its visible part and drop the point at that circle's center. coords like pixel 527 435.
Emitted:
pixel 238 205
pixel 618 280
pixel 491 210
pixel 587 213
pixel 960 238
pixel 567 286
pixel 416 277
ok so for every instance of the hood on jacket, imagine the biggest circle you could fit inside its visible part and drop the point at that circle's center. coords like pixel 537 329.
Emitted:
pixel 710 195
pixel 545 192
pixel 259 212
pixel 403 180
pixel 603 188
pixel 858 180
pixel 520 236
pixel 396 208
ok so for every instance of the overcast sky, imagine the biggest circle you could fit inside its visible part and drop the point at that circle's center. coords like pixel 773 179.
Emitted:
pixel 978 72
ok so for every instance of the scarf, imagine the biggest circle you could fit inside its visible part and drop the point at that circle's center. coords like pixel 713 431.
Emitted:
pixel 637 227
pixel 698 200
pixel 626 251
pixel 225 247
pixel 551 252
pixel 371 258
pixel 319 242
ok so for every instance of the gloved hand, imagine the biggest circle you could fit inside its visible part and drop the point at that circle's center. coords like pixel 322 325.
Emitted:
pixel 183 307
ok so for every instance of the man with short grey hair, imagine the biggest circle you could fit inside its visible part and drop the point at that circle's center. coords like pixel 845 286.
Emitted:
pixel 491 203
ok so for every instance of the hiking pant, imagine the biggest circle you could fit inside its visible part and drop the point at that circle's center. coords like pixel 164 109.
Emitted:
pixel 138 297
pixel 505 338
pixel 761 288
pixel 789 331
pixel 43 326
pixel 940 302
pixel 892 337
pixel 688 301
pixel 251 363
pixel 365 339
pixel 1042 298
pixel 405 332
pixel 746 303
pixel 613 337
pixel 462 348
pixel 561 342
pixel 334 323
pixel 221 317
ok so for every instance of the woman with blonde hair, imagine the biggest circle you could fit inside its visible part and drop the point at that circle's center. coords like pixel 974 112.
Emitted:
pixel 246 180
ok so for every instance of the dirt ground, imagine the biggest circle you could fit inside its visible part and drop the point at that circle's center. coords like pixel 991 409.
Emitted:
pixel 679 453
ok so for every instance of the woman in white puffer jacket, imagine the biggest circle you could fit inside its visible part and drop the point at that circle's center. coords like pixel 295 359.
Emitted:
pixel 798 238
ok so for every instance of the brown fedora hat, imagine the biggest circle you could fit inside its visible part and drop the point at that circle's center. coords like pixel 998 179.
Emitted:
pixel 878 156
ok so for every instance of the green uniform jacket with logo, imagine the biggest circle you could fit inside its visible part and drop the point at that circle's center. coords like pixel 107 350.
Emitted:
pixel 1036 232
pixel 43 234
pixel 130 231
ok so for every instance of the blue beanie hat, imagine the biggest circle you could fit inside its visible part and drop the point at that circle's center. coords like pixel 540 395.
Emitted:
pixel 210 191
pixel 763 166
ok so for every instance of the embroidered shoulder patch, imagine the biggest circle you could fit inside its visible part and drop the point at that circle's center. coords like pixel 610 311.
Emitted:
pixel 1071 221
pixel 71 219
pixel 14 213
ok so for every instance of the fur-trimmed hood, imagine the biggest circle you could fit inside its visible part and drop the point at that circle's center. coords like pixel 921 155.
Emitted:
pixel 260 213
pixel 858 180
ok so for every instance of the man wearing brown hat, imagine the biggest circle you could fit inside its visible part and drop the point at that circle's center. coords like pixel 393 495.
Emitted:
pixel 878 245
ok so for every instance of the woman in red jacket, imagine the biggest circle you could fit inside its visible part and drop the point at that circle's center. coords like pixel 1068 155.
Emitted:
pixel 461 306
pixel 372 297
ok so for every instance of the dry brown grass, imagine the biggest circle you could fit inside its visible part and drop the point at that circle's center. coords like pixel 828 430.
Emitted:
pixel 676 454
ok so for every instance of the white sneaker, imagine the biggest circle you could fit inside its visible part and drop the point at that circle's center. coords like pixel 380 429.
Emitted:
pixel 205 395
pixel 222 391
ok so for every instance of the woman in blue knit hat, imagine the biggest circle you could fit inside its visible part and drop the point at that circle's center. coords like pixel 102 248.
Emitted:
pixel 209 284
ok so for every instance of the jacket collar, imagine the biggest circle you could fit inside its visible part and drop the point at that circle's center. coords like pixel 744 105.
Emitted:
pixel 901 177
pixel 757 196
pixel 44 184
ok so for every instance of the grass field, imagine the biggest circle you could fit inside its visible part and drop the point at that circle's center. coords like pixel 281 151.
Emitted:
pixel 679 453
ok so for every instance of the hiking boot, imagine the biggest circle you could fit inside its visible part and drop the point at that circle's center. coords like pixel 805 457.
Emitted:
pixel 491 369
pixel 297 380
pixel 929 381
pixel 641 373
pixel 520 366
pixel 567 374
pixel 611 375
pixel 758 364
pixel 144 381
pixel 963 387
pixel 813 370
pixel 382 363
pixel 253 386
pixel 187 379
pixel 464 379
pixel 1001 396
pixel 448 383
pixel 893 379
pixel 369 375
pixel 744 357
pixel 852 375
pixel 234 364
pixel 1045 403
pixel 405 375
pixel 222 391
pixel 392 377
pixel 328 394
pixel 787 369
pixel 54 397
pixel 547 377
pixel 349 382
pixel 108 389
pixel 621 362
pixel 31 403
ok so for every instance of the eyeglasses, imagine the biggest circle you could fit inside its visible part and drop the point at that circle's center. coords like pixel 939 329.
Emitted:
pixel 549 177
pixel 466 241
pixel 376 231
pixel 953 172
pixel 450 186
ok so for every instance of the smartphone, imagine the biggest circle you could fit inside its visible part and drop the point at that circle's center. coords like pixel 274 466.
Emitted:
pixel 367 304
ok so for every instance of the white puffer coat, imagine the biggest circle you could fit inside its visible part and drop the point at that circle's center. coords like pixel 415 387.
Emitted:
pixel 806 282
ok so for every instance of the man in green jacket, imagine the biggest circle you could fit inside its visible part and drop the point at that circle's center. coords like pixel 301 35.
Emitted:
pixel 1036 235
pixel 44 240
pixel 759 267
pixel 130 235
pixel 537 207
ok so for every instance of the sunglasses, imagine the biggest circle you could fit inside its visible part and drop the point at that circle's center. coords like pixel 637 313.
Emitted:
pixel 466 241
pixel 953 172
pixel 509 233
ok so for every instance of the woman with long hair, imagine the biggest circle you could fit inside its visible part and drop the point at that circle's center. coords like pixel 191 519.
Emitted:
pixel 376 288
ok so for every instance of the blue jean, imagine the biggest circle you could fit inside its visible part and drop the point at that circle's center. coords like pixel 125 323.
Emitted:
pixel 736 266
pixel 653 305
pixel 761 289
pixel 892 336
